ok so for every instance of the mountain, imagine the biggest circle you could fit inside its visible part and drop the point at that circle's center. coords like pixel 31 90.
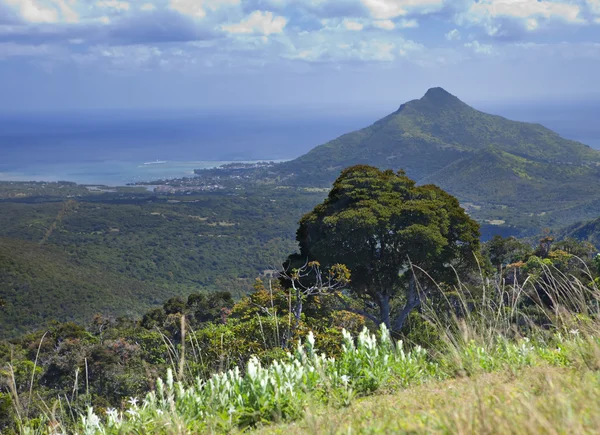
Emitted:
pixel 515 176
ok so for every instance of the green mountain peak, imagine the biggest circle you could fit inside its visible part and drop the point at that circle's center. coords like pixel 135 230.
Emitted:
pixel 515 172
pixel 435 100
pixel 439 95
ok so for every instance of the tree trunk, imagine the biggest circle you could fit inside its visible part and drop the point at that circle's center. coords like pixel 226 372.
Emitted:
pixel 298 308
pixel 384 310
pixel 413 300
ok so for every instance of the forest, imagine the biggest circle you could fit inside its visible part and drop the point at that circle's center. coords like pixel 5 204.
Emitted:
pixel 391 290
pixel 121 253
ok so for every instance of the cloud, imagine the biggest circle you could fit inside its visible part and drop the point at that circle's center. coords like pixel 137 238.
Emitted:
pixel 353 25
pixel 364 50
pixel 479 48
pixel 384 24
pixel 493 15
pixel 273 32
pixel 158 26
pixel 453 35
pixel 408 24
pixel 150 27
pixel 200 8
pixel 114 4
pixel 33 12
pixel 188 7
pixel 258 22
pixel 386 9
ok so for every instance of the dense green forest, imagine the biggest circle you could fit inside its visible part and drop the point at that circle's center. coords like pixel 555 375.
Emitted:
pixel 121 252
pixel 230 363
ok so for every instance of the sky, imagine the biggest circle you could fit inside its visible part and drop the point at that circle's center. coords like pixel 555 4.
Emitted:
pixel 336 54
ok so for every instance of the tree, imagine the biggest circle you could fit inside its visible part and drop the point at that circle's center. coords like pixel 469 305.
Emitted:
pixel 309 281
pixel 503 251
pixel 380 224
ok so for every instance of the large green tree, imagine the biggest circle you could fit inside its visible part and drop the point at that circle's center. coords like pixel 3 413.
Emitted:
pixel 387 230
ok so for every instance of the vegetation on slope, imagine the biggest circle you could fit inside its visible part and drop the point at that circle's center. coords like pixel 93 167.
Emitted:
pixel 230 366
pixel 531 401
pixel 491 336
pixel 522 174
pixel 121 253
pixel 43 283
pixel 441 126
pixel 587 231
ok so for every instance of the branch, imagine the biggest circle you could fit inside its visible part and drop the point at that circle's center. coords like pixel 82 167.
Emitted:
pixel 358 311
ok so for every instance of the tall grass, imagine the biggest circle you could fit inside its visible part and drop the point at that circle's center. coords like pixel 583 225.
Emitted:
pixel 495 334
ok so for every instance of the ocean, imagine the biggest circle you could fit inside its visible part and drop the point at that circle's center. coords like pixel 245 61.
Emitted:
pixel 116 148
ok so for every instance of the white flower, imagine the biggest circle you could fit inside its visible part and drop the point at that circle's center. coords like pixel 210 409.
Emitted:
pixel 311 339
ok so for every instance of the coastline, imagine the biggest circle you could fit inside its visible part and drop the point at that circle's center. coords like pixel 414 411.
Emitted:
pixel 114 173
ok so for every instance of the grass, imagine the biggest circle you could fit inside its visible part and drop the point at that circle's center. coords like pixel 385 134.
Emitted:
pixel 513 386
pixel 489 371
pixel 535 400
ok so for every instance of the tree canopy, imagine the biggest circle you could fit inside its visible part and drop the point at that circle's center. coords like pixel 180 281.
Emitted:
pixel 379 224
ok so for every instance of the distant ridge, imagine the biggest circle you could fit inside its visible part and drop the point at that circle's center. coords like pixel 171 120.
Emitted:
pixel 519 176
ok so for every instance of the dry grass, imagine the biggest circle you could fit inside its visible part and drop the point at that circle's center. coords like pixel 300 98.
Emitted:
pixel 542 400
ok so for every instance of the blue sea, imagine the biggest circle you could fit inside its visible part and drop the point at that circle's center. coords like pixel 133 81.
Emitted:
pixel 116 148
pixel 120 147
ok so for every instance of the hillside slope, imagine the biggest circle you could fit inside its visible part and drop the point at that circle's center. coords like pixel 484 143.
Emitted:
pixel 588 231
pixel 43 283
pixel 501 170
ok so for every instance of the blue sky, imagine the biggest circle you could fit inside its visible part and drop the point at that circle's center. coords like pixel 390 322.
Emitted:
pixel 87 54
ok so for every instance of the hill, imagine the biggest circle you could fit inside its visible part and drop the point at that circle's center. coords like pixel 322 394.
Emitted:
pixel 588 231
pixel 43 283
pixel 119 253
pixel 515 175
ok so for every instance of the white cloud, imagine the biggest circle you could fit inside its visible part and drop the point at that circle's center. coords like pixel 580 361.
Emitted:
pixel 527 12
pixel 113 4
pixel 408 24
pixel 33 12
pixel 479 48
pixel 188 7
pixel 353 25
pixel 407 47
pixel 384 24
pixel 68 14
pixel 49 11
pixel 386 9
pixel 531 24
pixel 362 50
pixel 453 35
pixel 148 7
pixel 258 22
pixel 594 6
pixel 199 8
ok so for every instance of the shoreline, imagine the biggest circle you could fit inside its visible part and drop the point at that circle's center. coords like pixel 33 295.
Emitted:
pixel 115 173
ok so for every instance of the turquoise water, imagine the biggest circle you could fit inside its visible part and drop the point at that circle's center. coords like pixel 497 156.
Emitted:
pixel 109 173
